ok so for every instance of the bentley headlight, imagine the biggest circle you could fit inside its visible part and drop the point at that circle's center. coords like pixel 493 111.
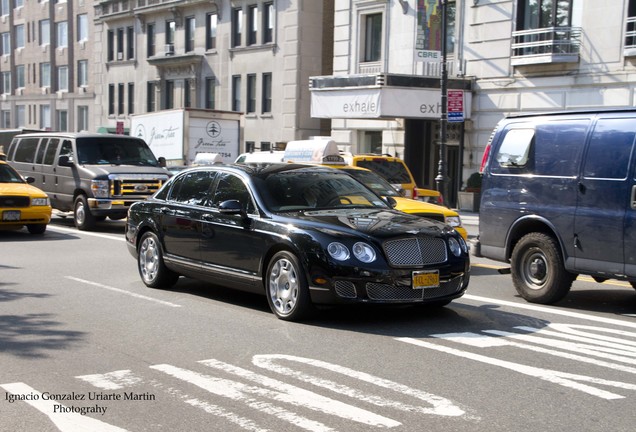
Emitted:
pixel 454 246
pixel 40 201
pixel 100 188
pixel 453 221
pixel 338 251
pixel 364 252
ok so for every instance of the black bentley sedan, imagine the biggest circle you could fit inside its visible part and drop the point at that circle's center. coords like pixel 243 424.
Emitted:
pixel 302 235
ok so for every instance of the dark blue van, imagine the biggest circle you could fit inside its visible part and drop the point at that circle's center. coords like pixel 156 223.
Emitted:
pixel 559 200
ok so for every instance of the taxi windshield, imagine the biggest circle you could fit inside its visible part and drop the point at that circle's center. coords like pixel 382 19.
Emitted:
pixel 393 171
pixel 9 175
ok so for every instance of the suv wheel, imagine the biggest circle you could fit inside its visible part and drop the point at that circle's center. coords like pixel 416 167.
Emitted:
pixel 537 269
pixel 84 219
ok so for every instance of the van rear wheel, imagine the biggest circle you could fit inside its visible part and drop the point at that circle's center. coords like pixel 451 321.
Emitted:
pixel 538 273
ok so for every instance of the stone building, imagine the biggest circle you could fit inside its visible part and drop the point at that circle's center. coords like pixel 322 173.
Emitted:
pixel 252 56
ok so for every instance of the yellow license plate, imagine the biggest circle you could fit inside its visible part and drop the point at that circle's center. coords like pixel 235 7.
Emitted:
pixel 425 279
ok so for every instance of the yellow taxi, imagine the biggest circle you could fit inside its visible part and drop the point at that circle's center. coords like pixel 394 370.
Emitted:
pixel 326 153
pixel 22 204
pixel 395 171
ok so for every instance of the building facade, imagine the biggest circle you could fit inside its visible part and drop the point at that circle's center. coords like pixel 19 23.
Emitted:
pixel 45 64
pixel 506 56
pixel 251 56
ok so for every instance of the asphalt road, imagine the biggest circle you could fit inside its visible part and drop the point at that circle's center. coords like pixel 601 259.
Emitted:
pixel 84 345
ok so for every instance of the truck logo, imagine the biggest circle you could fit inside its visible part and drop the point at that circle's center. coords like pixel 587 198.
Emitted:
pixel 213 129
pixel 141 188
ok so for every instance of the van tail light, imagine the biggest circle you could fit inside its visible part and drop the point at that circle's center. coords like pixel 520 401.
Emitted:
pixel 484 159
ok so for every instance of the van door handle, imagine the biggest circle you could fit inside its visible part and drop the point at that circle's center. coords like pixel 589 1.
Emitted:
pixel 582 188
pixel 633 203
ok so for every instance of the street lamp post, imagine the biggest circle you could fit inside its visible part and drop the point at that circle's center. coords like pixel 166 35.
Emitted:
pixel 440 180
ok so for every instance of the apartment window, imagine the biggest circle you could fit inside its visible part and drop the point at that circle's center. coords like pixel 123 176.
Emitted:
pixel 236 93
pixel 130 43
pixel 111 99
pixel 6 43
pixel 151 95
pixel 6 82
pixel 252 24
pixel 62 120
pixel 210 31
pixel 45 119
pixel 110 45
pixel 210 86
pixel 251 93
pixel 62 78
pixel 120 44
pixel 82 73
pixel 20 116
pixel 82 118
pixel 5 6
pixel 45 32
pixel 5 119
pixel 372 37
pixel 62 34
pixel 45 74
pixel 189 34
pixel 266 103
pixel 237 26
pixel 19 36
pixel 169 99
pixel 187 97
pixel 19 3
pixel 150 38
pixel 131 98
pixel 19 76
pixel 82 27
pixel 266 146
pixel 536 14
pixel 171 28
pixel 120 99
pixel 268 22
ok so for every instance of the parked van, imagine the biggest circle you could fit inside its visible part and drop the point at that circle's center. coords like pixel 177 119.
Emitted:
pixel 94 175
pixel 558 199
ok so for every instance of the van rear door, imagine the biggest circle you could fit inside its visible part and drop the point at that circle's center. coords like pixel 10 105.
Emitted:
pixel 603 197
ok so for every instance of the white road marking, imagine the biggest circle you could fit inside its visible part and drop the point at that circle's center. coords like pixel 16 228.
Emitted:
pixel 440 406
pixel 242 393
pixel 562 378
pixel 86 233
pixel 218 411
pixel 65 422
pixel 549 310
pixel 121 291
pixel 112 380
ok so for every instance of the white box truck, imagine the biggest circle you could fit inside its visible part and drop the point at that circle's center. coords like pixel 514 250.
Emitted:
pixel 180 134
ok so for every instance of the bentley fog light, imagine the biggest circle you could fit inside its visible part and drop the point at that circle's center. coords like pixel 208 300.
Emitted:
pixel 454 246
pixel 364 252
pixel 338 251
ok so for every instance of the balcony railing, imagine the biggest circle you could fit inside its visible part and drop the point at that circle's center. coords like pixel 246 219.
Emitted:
pixel 546 45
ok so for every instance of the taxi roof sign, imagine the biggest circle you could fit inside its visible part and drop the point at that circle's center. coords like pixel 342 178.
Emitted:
pixel 312 151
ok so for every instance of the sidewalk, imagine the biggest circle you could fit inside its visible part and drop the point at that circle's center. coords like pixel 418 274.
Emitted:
pixel 470 220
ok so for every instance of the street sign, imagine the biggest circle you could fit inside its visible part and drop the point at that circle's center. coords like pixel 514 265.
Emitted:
pixel 455 105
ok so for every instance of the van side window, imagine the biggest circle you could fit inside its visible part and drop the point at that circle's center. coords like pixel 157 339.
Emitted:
pixel 559 147
pixel 51 149
pixel 514 151
pixel 26 150
pixel 41 149
pixel 67 149
pixel 610 149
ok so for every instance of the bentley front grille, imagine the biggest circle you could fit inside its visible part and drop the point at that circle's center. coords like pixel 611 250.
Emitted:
pixel 415 251
pixel 386 292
